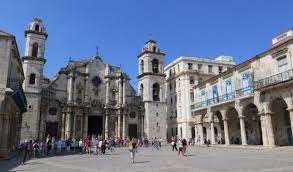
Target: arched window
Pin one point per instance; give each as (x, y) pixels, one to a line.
(141, 90)
(32, 79)
(141, 66)
(156, 92)
(154, 49)
(35, 50)
(37, 27)
(155, 65)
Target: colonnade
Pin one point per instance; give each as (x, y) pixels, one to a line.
(268, 127)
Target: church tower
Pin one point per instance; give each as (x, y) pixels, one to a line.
(33, 66)
(151, 79)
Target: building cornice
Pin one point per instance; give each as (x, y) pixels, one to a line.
(33, 59)
(150, 74)
(35, 32)
(150, 52)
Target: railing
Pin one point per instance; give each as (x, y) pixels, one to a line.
(223, 98)
(274, 79)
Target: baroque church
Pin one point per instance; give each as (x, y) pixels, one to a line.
(89, 97)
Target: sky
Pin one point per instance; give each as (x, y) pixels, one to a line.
(203, 28)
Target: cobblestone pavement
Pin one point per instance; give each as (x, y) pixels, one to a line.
(198, 159)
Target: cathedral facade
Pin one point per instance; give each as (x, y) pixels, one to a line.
(86, 97)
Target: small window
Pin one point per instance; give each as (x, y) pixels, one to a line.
(32, 79)
(282, 64)
(156, 92)
(35, 50)
(190, 66)
(199, 67)
(37, 28)
(141, 66)
(154, 49)
(155, 65)
(210, 68)
(220, 69)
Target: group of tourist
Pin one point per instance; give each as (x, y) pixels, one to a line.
(94, 145)
(29, 149)
(182, 145)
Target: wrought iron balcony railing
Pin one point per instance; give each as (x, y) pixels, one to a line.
(274, 79)
(223, 98)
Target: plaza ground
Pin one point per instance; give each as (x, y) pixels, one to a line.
(201, 159)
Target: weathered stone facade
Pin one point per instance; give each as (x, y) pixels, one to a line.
(12, 99)
(87, 97)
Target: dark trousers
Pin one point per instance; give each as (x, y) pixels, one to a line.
(174, 147)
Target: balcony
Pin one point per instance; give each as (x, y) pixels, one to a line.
(274, 79)
(243, 92)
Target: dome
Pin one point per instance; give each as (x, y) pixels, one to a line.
(151, 46)
(36, 26)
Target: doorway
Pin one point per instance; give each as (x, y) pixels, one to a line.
(95, 125)
(52, 129)
(132, 130)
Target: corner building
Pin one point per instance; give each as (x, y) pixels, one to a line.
(251, 103)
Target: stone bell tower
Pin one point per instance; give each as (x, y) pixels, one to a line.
(33, 66)
(151, 80)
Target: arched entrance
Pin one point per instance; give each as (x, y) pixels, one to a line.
(233, 126)
(219, 128)
(281, 122)
(252, 125)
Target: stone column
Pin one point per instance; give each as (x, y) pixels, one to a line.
(107, 91)
(119, 124)
(63, 126)
(200, 131)
(270, 130)
(264, 129)
(68, 132)
(291, 118)
(124, 92)
(123, 126)
(242, 130)
(120, 91)
(213, 141)
(70, 87)
(106, 124)
(226, 132)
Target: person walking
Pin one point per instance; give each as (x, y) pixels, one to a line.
(132, 147)
(180, 147)
(174, 144)
(25, 152)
